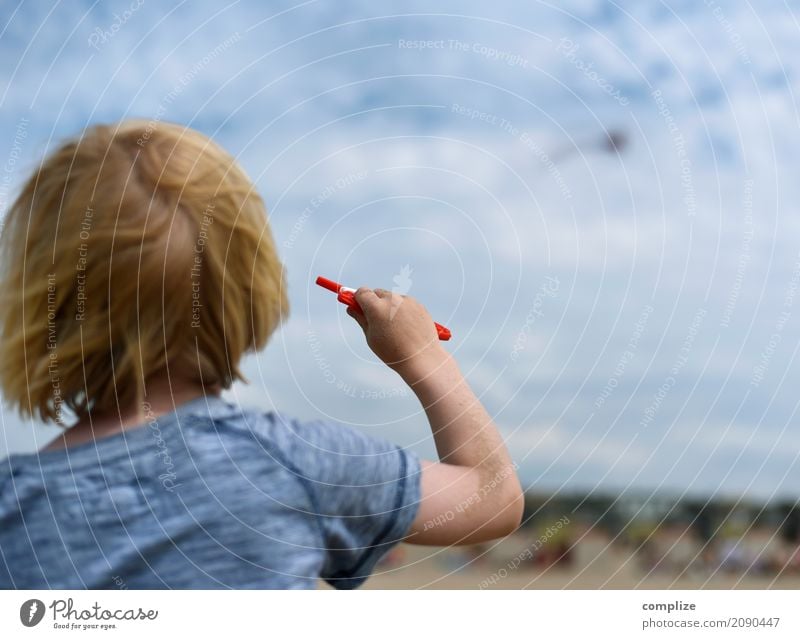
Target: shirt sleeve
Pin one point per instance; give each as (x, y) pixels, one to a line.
(365, 492)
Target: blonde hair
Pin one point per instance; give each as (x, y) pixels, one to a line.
(134, 250)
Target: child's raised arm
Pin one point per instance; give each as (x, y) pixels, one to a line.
(472, 494)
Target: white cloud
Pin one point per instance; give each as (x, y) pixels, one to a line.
(614, 229)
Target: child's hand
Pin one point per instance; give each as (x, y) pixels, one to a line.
(398, 330)
(471, 451)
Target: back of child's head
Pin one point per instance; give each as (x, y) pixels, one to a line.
(137, 250)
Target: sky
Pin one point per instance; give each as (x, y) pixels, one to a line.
(626, 310)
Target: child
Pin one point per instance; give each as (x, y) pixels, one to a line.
(138, 268)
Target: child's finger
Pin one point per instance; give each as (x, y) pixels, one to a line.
(358, 317)
(367, 300)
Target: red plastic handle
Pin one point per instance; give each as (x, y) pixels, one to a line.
(346, 297)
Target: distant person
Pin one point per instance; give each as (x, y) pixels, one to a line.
(138, 269)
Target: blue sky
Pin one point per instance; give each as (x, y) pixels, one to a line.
(629, 318)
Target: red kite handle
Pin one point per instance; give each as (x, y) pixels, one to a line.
(345, 296)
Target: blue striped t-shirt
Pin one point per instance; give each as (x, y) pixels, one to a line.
(208, 496)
